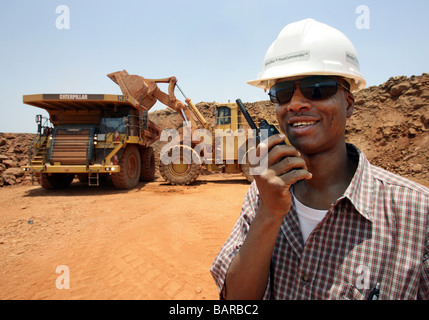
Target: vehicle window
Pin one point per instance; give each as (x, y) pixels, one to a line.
(112, 124)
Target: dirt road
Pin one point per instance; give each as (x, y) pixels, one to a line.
(153, 242)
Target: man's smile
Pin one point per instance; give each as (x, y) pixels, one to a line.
(300, 122)
(303, 124)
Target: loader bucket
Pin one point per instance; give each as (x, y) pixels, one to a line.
(136, 87)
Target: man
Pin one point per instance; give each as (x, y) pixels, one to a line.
(322, 222)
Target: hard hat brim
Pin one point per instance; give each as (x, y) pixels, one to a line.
(356, 80)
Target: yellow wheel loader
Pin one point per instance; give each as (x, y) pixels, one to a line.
(222, 146)
(92, 136)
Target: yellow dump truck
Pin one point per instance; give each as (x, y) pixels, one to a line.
(92, 136)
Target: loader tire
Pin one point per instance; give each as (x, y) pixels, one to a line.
(56, 180)
(186, 169)
(147, 172)
(130, 165)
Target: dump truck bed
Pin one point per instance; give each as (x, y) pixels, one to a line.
(88, 109)
(55, 102)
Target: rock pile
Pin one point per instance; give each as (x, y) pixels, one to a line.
(391, 125)
(13, 155)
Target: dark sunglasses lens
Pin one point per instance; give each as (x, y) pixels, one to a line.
(282, 92)
(317, 88)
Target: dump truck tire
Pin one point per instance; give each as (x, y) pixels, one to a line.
(186, 169)
(56, 180)
(130, 164)
(147, 172)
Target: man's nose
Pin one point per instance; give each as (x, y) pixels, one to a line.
(298, 102)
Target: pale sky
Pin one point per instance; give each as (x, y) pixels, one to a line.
(212, 47)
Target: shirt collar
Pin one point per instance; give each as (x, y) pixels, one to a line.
(361, 191)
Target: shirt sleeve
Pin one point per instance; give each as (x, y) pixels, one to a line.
(238, 234)
(423, 293)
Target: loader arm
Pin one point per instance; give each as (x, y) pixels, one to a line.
(146, 91)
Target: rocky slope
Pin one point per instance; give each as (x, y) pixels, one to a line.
(390, 124)
(13, 154)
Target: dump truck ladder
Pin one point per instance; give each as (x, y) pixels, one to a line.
(93, 179)
(39, 150)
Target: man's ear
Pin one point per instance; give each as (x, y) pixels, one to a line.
(350, 99)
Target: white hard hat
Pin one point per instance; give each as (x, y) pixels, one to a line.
(308, 47)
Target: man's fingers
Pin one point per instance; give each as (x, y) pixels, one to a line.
(265, 146)
(287, 164)
(294, 176)
(275, 139)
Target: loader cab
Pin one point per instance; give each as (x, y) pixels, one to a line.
(227, 116)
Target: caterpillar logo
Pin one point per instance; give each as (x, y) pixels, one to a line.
(74, 96)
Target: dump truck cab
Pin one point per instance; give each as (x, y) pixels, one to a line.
(93, 136)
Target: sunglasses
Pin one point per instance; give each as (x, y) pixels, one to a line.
(314, 88)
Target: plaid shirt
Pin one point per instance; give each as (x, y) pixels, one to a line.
(377, 232)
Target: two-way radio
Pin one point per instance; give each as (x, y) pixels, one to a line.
(263, 124)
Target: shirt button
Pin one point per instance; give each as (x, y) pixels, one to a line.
(305, 278)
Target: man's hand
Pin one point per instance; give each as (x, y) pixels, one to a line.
(248, 273)
(285, 167)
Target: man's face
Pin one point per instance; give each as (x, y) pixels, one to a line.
(314, 126)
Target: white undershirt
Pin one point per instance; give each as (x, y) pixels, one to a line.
(308, 217)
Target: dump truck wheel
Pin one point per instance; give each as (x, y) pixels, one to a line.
(130, 165)
(56, 180)
(147, 164)
(183, 166)
(245, 167)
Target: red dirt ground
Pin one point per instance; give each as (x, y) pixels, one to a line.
(153, 242)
